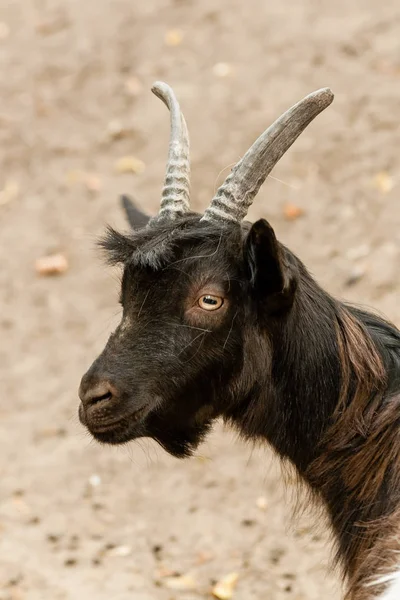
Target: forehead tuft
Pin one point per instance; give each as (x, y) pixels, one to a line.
(157, 246)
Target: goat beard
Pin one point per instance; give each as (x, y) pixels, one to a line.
(182, 443)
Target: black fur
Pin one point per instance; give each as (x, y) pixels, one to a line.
(282, 361)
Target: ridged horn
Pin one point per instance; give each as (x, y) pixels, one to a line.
(175, 193)
(233, 199)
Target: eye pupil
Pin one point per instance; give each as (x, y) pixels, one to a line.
(210, 302)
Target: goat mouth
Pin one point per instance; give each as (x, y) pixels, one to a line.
(119, 430)
(126, 420)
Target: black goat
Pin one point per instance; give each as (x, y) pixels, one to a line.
(221, 320)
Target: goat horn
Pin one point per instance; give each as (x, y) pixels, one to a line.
(233, 199)
(175, 194)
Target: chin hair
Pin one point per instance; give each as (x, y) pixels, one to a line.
(183, 444)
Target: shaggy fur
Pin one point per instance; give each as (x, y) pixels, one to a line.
(282, 361)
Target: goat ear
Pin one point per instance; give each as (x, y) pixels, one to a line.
(272, 277)
(136, 218)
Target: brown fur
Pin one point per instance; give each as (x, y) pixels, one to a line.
(361, 454)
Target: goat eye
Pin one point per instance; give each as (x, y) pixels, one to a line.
(209, 302)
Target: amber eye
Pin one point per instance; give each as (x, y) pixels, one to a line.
(209, 302)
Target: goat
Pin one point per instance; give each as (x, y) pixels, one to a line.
(222, 320)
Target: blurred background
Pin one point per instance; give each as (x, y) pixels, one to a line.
(79, 126)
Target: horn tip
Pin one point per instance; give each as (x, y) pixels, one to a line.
(160, 88)
(324, 96)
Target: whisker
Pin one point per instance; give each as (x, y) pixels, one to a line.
(290, 185)
(192, 327)
(230, 330)
(198, 350)
(145, 298)
(180, 271)
(191, 342)
(220, 173)
(229, 283)
(196, 257)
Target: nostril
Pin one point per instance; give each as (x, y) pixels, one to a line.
(97, 399)
(92, 394)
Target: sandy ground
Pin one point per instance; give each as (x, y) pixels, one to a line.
(82, 522)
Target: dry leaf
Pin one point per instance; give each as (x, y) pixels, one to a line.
(114, 127)
(164, 571)
(22, 506)
(95, 480)
(262, 503)
(223, 590)
(182, 582)
(117, 130)
(120, 551)
(204, 557)
(355, 275)
(75, 176)
(92, 183)
(54, 264)
(292, 212)
(203, 459)
(52, 25)
(173, 37)
(300, 532)
(129, 164)
(222, 69)
(357, 252)
(9, 192)
(383, 182)
(133, 86)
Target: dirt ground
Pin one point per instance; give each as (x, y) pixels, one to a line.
(82, 522)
